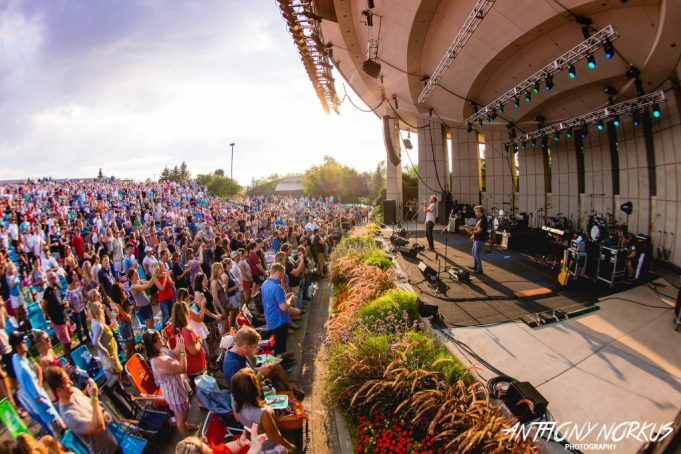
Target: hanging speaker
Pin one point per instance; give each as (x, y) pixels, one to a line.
(388, 142)
(627, 208)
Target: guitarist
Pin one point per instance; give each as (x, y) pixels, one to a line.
(479, 234)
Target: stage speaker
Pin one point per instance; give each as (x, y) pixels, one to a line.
(428, 310)
(519, 391)
(398, 240)
(407, 251)
(389, 211)
(428, 272)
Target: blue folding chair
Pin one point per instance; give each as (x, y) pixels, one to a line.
(71, 441)
(37, 318)
(82, 358)
(129, 444)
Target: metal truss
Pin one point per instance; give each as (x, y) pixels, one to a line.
(303, 24)
(579, 52)
(622, 109)
(472, 22)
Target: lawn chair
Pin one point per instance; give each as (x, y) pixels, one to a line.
(157, 322)
(37, 319)
(82, 358)
(142, 377)
(215, 433)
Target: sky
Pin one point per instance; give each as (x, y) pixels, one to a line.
(132, 86)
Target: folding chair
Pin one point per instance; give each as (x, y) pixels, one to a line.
(142, 377)
(82, 359)
(215, 433)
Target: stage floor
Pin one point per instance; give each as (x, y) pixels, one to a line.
(490, 298)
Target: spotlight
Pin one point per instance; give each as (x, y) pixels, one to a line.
(506, 150)
(397, 105)
(516, 102)
(656, 110)
(524, 145)
(585, 130)
(371, 68)
(533, 142)
(572, 71)
(608, 48)
(489, 117)
(543, 142)
(480, 122)
(556, 136)
(569, 133)
(469, 127)
(591, 61)
(549, 82)
(637, 117)
(616, 120)
(500, 109)
(536, 87)
(493, 115)
(600, 125)
(515, 149)
(528, 96)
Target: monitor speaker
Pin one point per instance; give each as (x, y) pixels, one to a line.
(428, 272)
(517, 398)
(407, 251)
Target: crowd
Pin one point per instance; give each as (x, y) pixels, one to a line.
(98, 258)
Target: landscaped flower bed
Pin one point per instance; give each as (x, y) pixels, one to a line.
(400, 393)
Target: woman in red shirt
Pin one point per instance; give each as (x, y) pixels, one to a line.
(196, 356)
(166, 291)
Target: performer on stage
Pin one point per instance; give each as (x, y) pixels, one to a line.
(479, 236)
(430, 221)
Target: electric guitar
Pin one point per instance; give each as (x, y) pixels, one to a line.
(564, 275)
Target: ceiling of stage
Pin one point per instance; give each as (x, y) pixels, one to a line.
(515, 39)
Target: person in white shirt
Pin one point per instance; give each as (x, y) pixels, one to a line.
(47, 262)
(430, 221)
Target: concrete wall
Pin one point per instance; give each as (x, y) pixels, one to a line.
(433, 161)
(499, 168)
(394, 172)
(466, 184)
(532, 186)
(667, 142)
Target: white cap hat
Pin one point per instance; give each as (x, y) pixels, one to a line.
(148, 249)
(226, 342)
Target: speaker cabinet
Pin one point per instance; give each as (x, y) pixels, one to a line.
(389, 211)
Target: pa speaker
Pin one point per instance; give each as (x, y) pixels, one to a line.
(407, 251)
(389, 211)
(398, 240)
(517, 396)
(428, 272)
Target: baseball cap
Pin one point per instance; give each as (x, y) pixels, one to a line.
(16, 338)
(234, 254)
(148, 249)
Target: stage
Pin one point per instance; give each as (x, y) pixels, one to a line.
(492, 297)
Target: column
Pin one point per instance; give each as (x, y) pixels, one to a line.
(433, 161)
(394, 172)
(466, 183)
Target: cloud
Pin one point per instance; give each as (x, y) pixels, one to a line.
(134, 86)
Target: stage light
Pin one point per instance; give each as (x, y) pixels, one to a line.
(591, 61)
(524, 145)
(528, 96)
(533, 142)
(556, 136)
(516, 102)
(585, 130)
(549, 82)
(469, 127)
(493, 115)
(536, 87)
(572, 71)
(506, 150)
(600, 125)
(608, 48)
(569, 133)
(489, 117)
(500, 109)
(616, 120)
(543, 142)
(637, 117)
(656, 110)
(480, 123)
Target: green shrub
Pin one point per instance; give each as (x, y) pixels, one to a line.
(360, 246)
(379, 259)
(395, 301)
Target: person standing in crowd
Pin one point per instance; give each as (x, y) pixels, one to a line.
(7, 375)
(55, 311)
(16, 299)
(103, 339)
(166, 291)
(430, 221)
(479, 233)
(138, 288)
(277, 304)
(75, 299)
(125, 312)
(258, 272)
(319, 246)
(83, 415)
(31, 394)
(169, 375)
(196, 356)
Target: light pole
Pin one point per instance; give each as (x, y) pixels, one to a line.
(231, 170)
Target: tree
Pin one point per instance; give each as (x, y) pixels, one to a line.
(165, 175)
(184, 173)
(219, 172)
(378, 178)
(219, 184)
(100, 174)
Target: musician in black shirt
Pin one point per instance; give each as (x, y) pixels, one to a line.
(479, 236)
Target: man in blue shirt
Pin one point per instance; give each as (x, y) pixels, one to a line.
(277, 304)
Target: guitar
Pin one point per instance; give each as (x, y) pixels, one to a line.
(564, 275)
